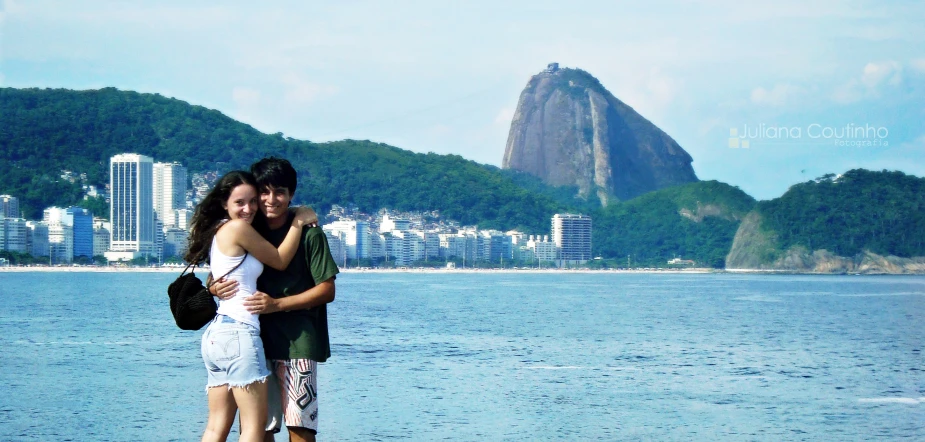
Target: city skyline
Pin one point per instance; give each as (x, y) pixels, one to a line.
(408, 238)
(149, 217)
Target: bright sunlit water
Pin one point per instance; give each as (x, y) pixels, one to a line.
(95, 356)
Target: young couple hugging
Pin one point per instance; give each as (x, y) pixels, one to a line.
(262, 349)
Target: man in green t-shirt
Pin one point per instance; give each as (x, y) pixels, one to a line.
(292, 304)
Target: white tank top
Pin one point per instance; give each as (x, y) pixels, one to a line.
(246, 274)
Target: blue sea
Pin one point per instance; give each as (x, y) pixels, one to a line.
(96, 356)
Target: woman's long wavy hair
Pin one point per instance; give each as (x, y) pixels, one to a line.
(210, 212)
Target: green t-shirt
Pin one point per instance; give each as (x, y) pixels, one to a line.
(298, 334)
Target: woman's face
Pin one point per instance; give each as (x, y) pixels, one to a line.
(242, 203)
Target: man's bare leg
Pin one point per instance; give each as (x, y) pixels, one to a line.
(299, 434)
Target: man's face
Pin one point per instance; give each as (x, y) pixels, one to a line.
(274, 202)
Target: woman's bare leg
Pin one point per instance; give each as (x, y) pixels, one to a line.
(252, 401)
(222, 409)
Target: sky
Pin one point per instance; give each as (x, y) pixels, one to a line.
(809, 87)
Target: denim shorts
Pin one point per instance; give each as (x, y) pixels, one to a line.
(233, 353)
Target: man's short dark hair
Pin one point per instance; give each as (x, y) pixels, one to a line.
(276, 173)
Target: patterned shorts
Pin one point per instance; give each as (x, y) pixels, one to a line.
(292, 394)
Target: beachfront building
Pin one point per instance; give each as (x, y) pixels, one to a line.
(131, 209)
(37, 238)
(518, 245)
(60, 243)
(101, 229)
(389, 224)
(168, 191)
(100, 241)
(468, 245)
(337, 246)
(540, 249)
(80, 221)
(355, 236)
(572, 235)
(159, 231)
(430, 243)
(395, 249)
(14, 234)
(60, 235)
(451, 245)
(376, 245)
(70, 233)
(494, 246)
(175, 242)
(413, 247)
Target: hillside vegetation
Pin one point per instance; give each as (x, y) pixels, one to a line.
(883, 212)
(47, 131)
(695, 221)
(862, 219)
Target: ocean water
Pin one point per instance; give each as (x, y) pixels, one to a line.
(95, 356)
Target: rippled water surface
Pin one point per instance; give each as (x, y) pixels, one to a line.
(95, 356)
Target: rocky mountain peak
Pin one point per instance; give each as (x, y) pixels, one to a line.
(569, 130)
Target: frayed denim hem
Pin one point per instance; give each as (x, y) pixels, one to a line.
(230, 385)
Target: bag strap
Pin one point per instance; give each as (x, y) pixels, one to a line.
(229, 272)
(197, 260)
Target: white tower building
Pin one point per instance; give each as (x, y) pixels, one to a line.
(131, 209)
(169, 191)
(572, 235)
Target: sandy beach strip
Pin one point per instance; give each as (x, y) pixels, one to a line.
(107, 269)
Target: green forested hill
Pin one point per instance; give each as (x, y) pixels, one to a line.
(696, 221)
(45, 131)
(881, 212)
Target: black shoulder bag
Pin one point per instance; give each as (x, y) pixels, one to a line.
(190, 302)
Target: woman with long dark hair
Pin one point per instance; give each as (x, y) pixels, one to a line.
(231, 346)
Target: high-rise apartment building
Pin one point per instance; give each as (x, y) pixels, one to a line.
(100, 236)
(572, 235)
(14, 234)
(100, 241)
(169, 191)
(37, 238)
(60, 235)
(541, 249)
(389, 224)
(336, 246)
(431, 242)
(80, 221)
(396, 247)
(356, 237)
(60, 243)
(131, 209)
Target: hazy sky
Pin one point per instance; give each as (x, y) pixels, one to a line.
(444, 76)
